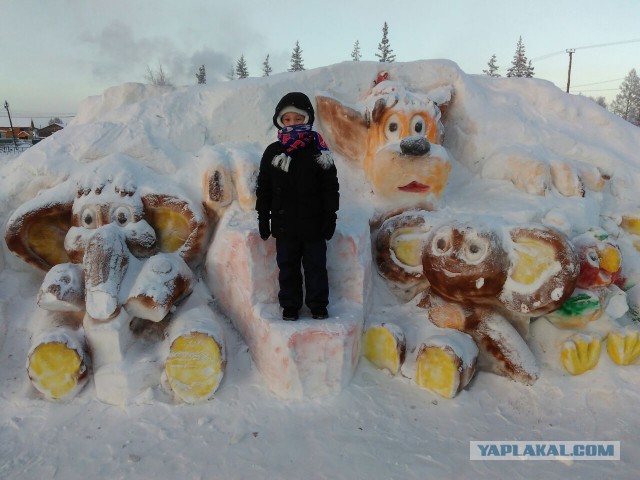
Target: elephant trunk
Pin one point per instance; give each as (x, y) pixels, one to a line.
(105, 263)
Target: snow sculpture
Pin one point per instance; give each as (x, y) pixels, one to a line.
(385, 345)
(600, 267)
(597, 296)
(307, 358)
(537, 176)
(119, 243)
(395, 137)
(484, 280)
(446, 363)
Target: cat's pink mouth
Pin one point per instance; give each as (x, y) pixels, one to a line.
(415, 187)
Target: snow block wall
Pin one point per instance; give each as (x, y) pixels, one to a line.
(307, 358)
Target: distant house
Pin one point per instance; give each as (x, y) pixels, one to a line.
(20, 132)
(49, 130)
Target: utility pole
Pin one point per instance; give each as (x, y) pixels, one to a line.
(570, 51)
(13, 134)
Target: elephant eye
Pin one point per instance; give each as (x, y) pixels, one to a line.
(441, 243)
(121, 216)
(475, 250)
(89, 217)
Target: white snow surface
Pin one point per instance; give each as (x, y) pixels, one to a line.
(380, 426)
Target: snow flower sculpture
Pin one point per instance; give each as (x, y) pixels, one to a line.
(119, 243)
(395, 137)
(481, 278)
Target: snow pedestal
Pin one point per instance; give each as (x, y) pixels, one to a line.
(302, 359)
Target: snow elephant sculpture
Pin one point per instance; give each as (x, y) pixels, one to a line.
(119, 243)
(481, 278)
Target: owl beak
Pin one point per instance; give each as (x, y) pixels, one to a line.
(610, 259)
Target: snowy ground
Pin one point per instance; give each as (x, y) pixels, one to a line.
(380, 426)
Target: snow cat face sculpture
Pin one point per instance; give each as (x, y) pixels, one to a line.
(118, 243)
(396, 141)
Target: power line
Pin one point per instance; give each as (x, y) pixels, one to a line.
(44, 114)
(598, 83)
(600, 90)
(609, 44)
(634, 40)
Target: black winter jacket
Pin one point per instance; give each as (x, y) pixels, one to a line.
(300, 194)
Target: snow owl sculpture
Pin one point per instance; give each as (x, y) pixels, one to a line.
(480, 277)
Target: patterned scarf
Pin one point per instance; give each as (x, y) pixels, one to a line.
(299, 136)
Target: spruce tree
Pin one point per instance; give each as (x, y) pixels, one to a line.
(266, 68)
(231, 74)
(529, 72)
(201, 76)
(241, 68)
(520, 65)
(386, 53)
(296, 59)
(627, 102)
(355, 54)
(493, 68)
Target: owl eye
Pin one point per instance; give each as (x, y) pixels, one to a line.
(475, 250)
(392, 128)
(441, 243)
(592, 257)
(121, 215)
(89, 217)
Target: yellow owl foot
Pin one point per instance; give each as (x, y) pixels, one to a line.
(195, 367)
(446, 363)
(56, 370)
(623, 346)
(385, 347)
(581, 353)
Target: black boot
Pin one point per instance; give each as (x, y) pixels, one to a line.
(290, 314)
(319, 313)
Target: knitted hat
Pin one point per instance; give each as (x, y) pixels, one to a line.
(296, 102)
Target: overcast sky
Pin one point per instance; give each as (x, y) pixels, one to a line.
(56, 53)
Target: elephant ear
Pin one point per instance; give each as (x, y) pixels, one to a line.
(543, 272)
(36, 230)
(398, 251)
(178, 225)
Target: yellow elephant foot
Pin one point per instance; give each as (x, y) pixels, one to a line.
(623, 346)
(581, 353)
(195, 367)
(56, 370)
(385, 346)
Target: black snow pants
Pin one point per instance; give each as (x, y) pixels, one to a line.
(312, 254)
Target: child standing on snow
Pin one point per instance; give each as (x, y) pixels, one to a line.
(298, 192)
